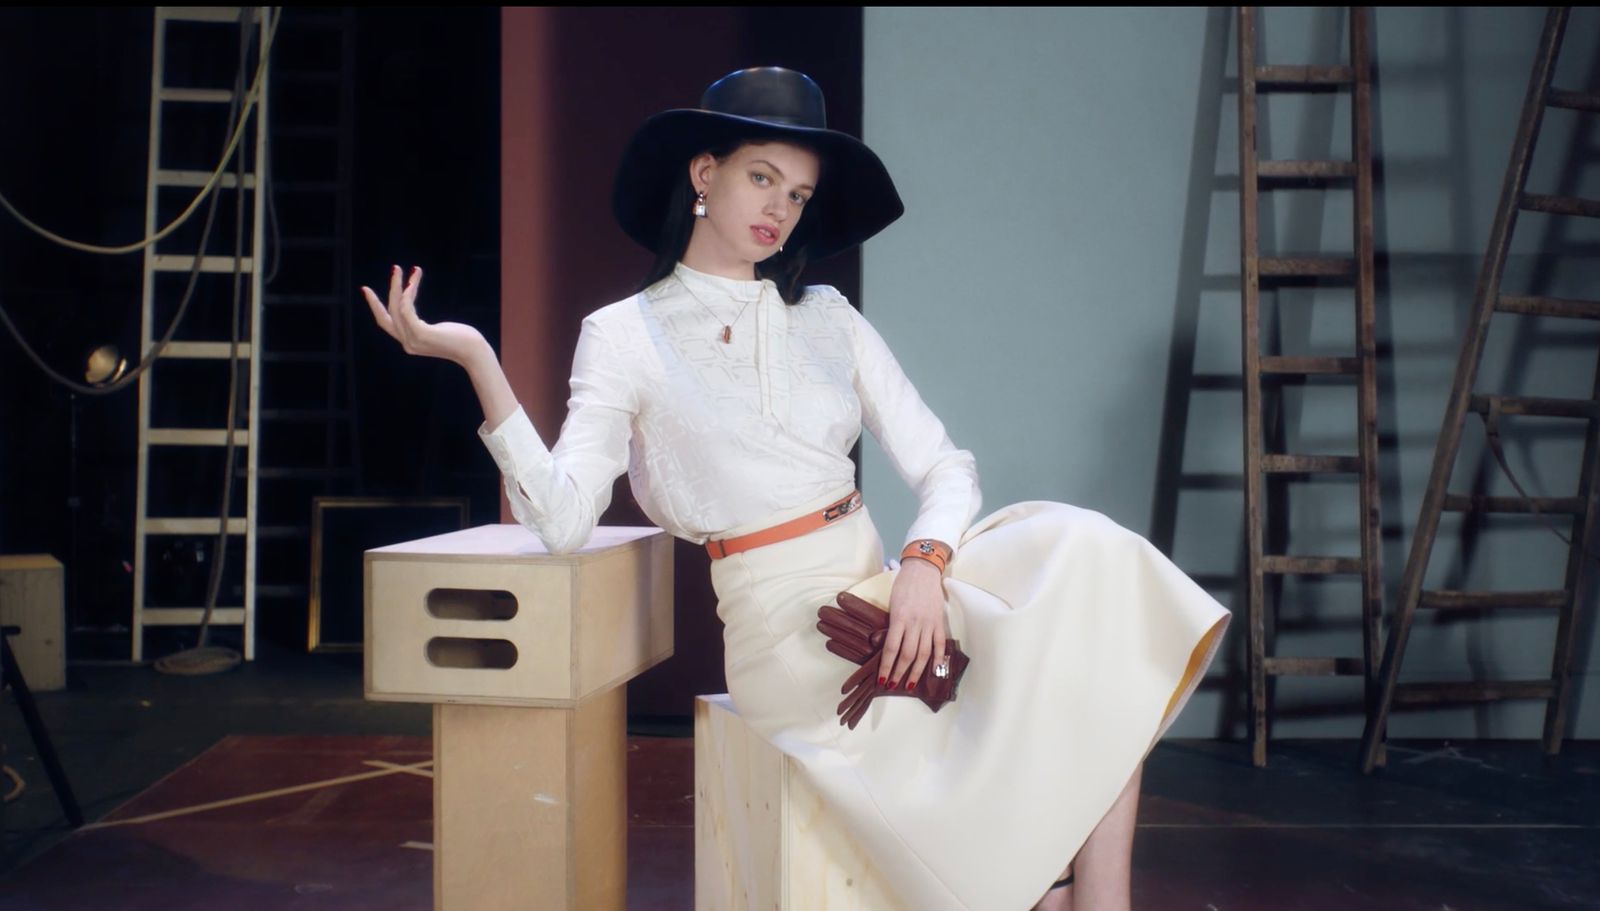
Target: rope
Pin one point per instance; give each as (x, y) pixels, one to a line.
(17, 785)
(1491, 426)
(250, 100)
(159, 348)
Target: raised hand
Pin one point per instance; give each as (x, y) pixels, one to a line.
(456, 342)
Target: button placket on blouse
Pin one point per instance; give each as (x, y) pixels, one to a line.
(772, 322)
(763, 374)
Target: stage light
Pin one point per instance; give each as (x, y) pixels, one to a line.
(105, 366)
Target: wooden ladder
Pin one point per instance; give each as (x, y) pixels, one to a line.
(180, 112)
(1255, 176)
(1580, 509)
(310, 446)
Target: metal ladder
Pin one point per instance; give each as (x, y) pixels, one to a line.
(179, 114)
(1262, 468)
(1580, 509)
(308, 416)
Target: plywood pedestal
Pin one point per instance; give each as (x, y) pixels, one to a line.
(762, 836)
(526, 656)
(530, 806)
(31, 596)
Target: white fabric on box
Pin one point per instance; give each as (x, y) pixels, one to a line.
(1085, 644)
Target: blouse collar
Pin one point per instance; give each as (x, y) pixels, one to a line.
(704, 282)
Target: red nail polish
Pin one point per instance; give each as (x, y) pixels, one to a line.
(882, 680)
(911, 686)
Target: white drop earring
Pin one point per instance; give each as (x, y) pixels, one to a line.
(700, 205)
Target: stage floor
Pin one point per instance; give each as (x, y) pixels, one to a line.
(279, 787)
(345, 822)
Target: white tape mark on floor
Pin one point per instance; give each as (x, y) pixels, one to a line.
(418, 770)
(264, 795)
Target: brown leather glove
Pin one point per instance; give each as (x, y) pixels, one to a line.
(856, 634)
(862, 686)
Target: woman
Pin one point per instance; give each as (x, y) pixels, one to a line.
(732, 397)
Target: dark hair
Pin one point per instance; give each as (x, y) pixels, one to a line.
(782, 268)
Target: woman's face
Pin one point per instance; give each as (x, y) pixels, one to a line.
(754, 198)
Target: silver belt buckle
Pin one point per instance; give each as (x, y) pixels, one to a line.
(840, 510)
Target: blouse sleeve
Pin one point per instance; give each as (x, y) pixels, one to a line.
(944, 478)
(560, 494)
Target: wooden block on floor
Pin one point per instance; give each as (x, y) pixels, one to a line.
(530, 806)
(487, 616)
(32, 596)
(526, 655)
(762, 836)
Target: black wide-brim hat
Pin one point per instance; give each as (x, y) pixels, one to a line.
(855, 197)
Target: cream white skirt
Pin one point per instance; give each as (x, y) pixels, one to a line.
(1085, 644)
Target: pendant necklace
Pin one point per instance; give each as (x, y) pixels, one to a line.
(727, 328)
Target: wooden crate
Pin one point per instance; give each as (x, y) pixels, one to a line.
(32, 588)
(572, 625)
(531, 806)
(762, 836)
(525, 655)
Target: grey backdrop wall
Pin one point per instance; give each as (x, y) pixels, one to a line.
(1064, 292)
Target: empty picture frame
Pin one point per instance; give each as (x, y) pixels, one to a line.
(343, 529)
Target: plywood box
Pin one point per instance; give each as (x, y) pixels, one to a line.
(32, 588)
(763, 838)
(531, 806)
(526, 655)
(488, 616)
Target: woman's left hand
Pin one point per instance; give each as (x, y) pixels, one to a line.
(916, 624)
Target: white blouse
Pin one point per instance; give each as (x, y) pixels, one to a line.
(715, 436)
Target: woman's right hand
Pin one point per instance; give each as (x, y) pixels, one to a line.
(456, 342)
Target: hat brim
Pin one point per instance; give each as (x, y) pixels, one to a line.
(854, 200)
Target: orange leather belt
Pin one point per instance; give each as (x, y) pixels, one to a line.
(793, 528)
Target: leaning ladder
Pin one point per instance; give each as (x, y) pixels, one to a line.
(157, 444)
(1580, 509)
(308, 414)
(1262, 467)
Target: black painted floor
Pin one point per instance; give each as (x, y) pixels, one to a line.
(1472, 825)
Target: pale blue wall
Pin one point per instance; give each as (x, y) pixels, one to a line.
(1068, 262)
